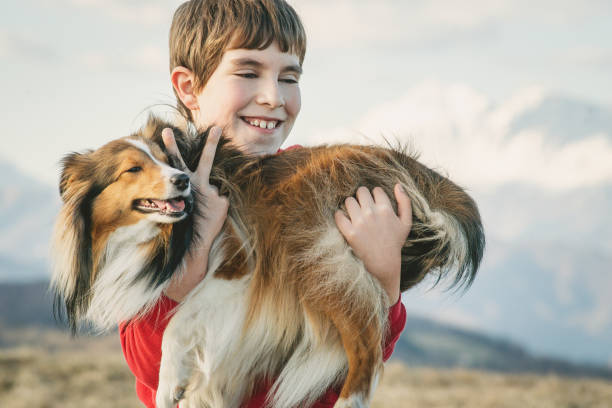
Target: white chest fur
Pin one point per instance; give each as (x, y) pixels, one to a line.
(118, 293)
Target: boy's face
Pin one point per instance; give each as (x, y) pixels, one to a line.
(254, 96)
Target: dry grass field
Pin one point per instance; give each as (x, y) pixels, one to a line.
(50, 370)
(433, 388)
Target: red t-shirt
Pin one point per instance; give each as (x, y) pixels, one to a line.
(141, 343)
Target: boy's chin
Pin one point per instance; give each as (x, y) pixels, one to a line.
(261, 149)
(261, 145)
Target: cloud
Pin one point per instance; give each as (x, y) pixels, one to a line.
(479, 144)
(147, 58)
(588, 56)
(144, 12)
(364, 23)
(360, 23)
(24, 47)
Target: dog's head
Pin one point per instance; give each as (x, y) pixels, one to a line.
(124, 182)
(127, 186)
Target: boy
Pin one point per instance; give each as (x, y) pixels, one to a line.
(237, 64)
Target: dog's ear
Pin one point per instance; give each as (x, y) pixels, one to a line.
(153, 128)
(77, 168)
(152, 131)
(71, 279)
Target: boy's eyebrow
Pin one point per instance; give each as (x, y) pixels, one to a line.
(249, 62)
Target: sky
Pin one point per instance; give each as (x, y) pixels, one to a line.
(80, 72)
(512, 99)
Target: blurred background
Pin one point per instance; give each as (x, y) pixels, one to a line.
(512, 99)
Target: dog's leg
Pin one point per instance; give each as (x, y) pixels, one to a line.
(341, 291)
(176, 369)
(364, 354)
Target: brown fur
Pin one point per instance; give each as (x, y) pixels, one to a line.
(281, 233)
(283, 203)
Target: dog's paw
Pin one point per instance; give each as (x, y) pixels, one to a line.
(179, 392)
(168, 397)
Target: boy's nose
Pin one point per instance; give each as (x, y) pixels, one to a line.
(270, 94)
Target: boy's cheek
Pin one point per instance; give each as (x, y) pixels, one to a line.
(297, 104)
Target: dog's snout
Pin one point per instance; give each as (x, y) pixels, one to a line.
(181, 181)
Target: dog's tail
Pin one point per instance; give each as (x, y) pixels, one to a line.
(447, 235)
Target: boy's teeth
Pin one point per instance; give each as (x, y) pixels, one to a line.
(263, 124)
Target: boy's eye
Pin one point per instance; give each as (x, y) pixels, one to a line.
(247, 75)
(289, 80)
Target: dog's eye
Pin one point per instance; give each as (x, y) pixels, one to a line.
(135, 169)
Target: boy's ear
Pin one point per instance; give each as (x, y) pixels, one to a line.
(183, 80)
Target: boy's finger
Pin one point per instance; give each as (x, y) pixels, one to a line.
(364, 197)
(380, 197)
(170, 143)
(404, 207)
(352, 208)
(343, 223)
(208, 153)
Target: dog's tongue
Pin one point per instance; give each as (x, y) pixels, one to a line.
(170, 205)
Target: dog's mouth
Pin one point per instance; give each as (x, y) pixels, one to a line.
(174, 207)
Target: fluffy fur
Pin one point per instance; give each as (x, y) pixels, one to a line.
(284, 297)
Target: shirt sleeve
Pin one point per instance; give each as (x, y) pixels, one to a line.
(141, 341)
(397, 322)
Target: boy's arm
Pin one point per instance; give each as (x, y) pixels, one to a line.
(208, 227)
(376, 234)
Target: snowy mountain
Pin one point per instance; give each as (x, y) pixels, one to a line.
(564, 119)
(27, 211)
(28, 306)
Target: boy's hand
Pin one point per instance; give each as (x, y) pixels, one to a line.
(207, 227)
(376, 234)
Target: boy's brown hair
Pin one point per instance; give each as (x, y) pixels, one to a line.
(202, 30)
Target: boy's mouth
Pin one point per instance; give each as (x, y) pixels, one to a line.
(262, 123)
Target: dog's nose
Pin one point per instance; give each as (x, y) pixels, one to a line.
(181, 181)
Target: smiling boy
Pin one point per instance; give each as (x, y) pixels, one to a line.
(254, 94)
(236, 64)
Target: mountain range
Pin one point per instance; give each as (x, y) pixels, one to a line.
(423, 342)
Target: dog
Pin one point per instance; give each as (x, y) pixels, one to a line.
(284, 296)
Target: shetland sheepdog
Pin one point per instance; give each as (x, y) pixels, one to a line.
(284, 296)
